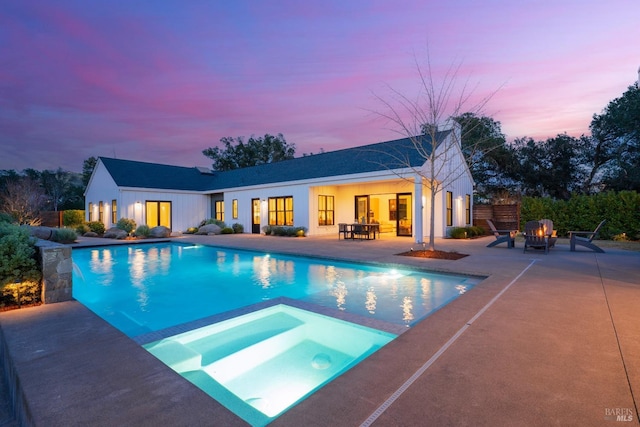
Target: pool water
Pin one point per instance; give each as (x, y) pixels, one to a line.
(150, 287)
(215, 316)
(260, 364)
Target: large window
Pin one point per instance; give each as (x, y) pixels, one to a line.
(219, 206)
(100, 211)
(325, 210)
(90, 211)
(114, 212)
(158, 213)
(234, 208)
(467, 204)
(281, 210)
(449, 208)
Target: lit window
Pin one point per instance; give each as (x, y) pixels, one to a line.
(467, 203)
(234, 209)
(449, 208)
(100, 211)
(281, 210)
(90, 211)
(219, 206)
(114, 212)
(325, 210)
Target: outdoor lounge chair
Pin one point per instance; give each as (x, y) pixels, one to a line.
(502, 236)
(585, 238)
(547, 226)
(535, 237)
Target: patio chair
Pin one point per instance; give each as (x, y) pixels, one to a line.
(535, 237)
(343, 231)
(585, 238)
(547, 226)
(502, 236)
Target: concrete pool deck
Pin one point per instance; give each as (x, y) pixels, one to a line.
(544, 340)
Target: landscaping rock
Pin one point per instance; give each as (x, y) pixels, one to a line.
(209, 229)
(44, 233)
(159, 231)
(90, 234)
(115, 233)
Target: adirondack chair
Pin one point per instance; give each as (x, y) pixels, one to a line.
(535, 237)
(502, 236)
(585, 238)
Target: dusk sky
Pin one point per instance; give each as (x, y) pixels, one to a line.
(161, 81)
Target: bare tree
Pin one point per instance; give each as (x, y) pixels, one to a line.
(428, 119)
(23, 199)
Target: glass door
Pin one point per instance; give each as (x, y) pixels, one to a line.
(362, 209)
(255, 216)
(405, 224)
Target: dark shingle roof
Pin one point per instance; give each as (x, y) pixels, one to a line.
(400, 153)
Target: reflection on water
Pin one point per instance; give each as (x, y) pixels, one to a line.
(407, 310)
(370, 302)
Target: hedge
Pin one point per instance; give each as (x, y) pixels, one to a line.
(584, 213)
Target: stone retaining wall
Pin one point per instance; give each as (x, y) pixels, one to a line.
(57, 270)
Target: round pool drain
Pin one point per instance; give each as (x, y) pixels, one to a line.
(321, 361)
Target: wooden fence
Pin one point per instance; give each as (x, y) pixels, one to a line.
(505, 217)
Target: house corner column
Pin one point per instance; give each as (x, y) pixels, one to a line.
(418, 210)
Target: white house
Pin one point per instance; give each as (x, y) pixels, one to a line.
(383, 182)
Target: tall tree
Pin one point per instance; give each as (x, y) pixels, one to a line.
(617, 141)
(549, 168)
(87, 169)
(420, 116)
(237, 154)
(485, 149)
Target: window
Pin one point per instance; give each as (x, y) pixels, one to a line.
(158, 213)
(467, 203)
(114, 212)
(281, 210)
(234, 209)
(449, 208)
(90, 211)
(100, 211)
(325, 210)
(219, 210)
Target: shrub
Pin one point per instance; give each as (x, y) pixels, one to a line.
(96, 226)
(64, 235)
(226, 230)
(267, 230)
(6, 218)
(17, 294)
(143, 231)
(238, 228)
(286, 230)
(17, 256)
(126, 224)
(82, 228)
(458, 233)
(191, 230)
(72, 218)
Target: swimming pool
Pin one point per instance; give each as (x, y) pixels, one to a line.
(149, 287)
(258, 332)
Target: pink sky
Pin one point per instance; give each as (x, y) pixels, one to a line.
(162, 81)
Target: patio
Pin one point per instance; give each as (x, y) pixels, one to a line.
(544, 340)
